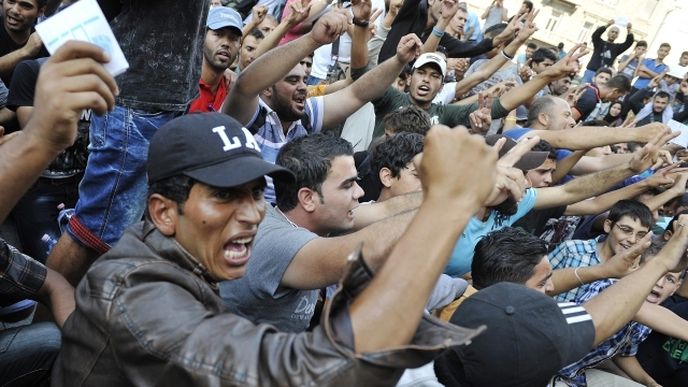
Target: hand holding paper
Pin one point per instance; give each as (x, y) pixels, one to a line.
(83, 21)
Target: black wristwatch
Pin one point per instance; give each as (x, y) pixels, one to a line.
(361, 23)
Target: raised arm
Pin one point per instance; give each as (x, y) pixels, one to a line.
(631, 366)
(298, 11)
(619, 303)
(567, 65)
(449, 9)
(72, 80)
(494, 64)
(590, 185)
(605, 201)
(617, 266)
(371, 85)
(588, 137)
(242, 101)
(447, 206)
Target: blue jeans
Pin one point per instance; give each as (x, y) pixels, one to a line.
(27, 354)
(112, 193)
(588, 76)
(313, 81)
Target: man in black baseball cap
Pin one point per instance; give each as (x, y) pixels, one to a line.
(148, 311)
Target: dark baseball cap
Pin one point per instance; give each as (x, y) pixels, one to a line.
(530, 160)
(529, 338)
(212, 148)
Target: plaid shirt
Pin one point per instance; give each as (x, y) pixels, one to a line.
(20, 276)
(271, 136)
(624, 342)
(575, 253)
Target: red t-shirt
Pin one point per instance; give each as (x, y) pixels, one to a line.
(208, 101)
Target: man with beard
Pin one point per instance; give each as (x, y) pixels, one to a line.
(505, 209)
(18, 41)
(220, 49)
(270, 97)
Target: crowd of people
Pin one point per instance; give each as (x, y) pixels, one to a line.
(364, 192)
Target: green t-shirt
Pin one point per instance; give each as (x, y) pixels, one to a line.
(450, 115)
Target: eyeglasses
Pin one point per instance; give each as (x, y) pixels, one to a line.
(628, 231)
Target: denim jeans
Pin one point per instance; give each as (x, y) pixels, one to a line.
(27, 354)
(112, 193)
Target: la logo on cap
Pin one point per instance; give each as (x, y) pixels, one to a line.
(235, 142)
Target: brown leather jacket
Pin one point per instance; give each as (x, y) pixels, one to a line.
(148, 315)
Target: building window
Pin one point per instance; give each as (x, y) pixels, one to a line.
(553, 21)
(584, 32)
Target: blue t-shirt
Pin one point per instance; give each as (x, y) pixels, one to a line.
(650, 63)
(462, 256)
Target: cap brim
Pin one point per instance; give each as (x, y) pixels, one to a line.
(219, 26)
(531, 160)
(235, 172)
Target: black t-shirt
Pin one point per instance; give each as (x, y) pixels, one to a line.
(71, 161)
(366, 179)
(535, 221)
(587, 102)
(663, 357)
(8, 45)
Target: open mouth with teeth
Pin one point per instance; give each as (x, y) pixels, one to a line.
(238, 251)
(300, 101)
(423, 90)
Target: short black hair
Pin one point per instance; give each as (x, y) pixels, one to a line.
(395, 153)
(619, 82)
(256, 33)
(532, 45)
(175, 188)
(309, 158)
(633, 209)
(409, 118)
(544, 146)
(494, 30)
(529, 5)
(541, 54)
(662, 94)
(605, 70)
(641, 43)
(508, 254)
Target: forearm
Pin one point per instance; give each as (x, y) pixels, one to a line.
(433, 40)
(590, 185)
(375, 43)
(662, 320)
(657, 201)
(519, 95)
(375, 82)
(9, 61)
(382, 296)
(565, 279)
(564, 166)
(618, 304)
(368, 214)
(604, 202)
(272, 40)
(249, 27)
(359, 47)
(57, 294)
(632, 368)
(588, 137)
(21, 161)
(590, 164)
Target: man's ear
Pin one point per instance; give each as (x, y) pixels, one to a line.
(164, 213)
(267, 92)
(385, 176)
(307, 199)
(607, 226)
(543, 118)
